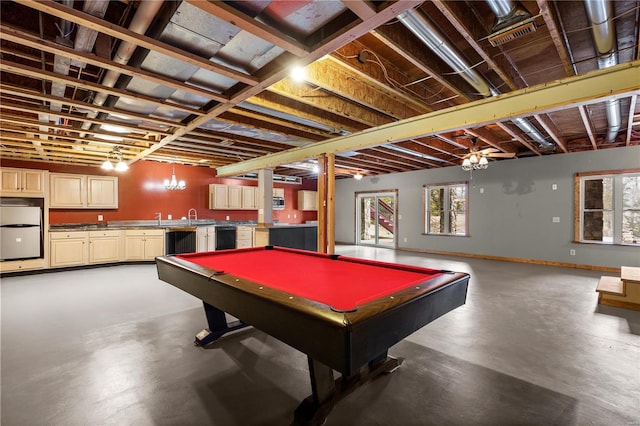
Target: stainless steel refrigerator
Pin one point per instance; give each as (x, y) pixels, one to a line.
(20, 232)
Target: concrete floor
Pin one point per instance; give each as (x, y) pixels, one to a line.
(113, 346)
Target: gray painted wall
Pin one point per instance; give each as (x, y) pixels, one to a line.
(511, 218)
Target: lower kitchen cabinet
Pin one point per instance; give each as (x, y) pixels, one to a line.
(105, 246)
(68, 249)
(206, 238)
(244, 236)
(145, 244)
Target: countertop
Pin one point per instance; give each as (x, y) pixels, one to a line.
(169, 225)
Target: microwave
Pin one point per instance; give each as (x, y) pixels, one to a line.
(278, 203)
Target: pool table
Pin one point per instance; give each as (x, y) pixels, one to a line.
(342, 312)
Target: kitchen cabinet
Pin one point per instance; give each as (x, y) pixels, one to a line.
(249, 198)
(218, 196)
(232, 197)
(143, 244)
(22, 182)
(23, 265)
(102, 192)
(278, 192)
(206, 238)
(68, 248)
(105, 246)
(83, 191)
(244, 236)
(307, 200)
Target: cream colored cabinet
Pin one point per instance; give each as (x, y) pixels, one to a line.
(68, 248)
(249, 198)
(235, 197)
(102, 192)
(278, 192)
(205, 238)
(218, 196)
(22, 182)
(83, 191)
(261, 237)
(105, 246)
(143, 244)
(307, 200)
(244, 236)
(232, 197)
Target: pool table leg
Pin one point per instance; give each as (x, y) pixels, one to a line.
(327, 392)
(218, 326)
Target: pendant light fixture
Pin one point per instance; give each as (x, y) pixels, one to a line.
(173, 184)
(120, 166)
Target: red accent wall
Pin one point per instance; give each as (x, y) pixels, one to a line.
(141, 194)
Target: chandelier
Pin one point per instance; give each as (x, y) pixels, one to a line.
(173, 183)
(475, 161)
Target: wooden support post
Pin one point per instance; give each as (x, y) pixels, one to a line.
(322, 204)
(331, 211)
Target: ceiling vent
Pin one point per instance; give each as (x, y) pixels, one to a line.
(512, 32)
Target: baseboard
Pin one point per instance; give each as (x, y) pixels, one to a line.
(508, 259)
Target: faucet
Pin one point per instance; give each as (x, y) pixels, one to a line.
(159, 217)
(195, 215)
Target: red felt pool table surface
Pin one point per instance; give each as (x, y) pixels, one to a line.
(340, 282)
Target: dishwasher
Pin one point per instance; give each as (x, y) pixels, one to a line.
(225, 237)
(180, 240)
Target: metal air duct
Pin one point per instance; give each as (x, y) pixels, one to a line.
(600, 15)
(427, 33)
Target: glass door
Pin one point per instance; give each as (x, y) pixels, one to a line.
(376, 219)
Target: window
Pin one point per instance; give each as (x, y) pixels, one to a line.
(446, 209)
(609, 207)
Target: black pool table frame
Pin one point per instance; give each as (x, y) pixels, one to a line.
(352, 343)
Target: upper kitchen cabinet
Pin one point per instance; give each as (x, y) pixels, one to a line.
(232, 197)
(22, 182)
(307, 200)
(82, 191)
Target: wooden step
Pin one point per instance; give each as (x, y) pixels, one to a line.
(611, 285)
(630, 274)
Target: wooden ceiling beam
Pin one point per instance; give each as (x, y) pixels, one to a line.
(66, 133)
(27, 71)
(402, 159)
(587, 125)
(460, 16)
(73, 117)
(265, 32)
(270, 124)
(414, 145)
(556, 36)
(362, 8)
(487, 137)
(592, 87)
(415, 53)
(551, 129)
(517, 136)
(336, 40)
(4, 88)
(58, 10)
(286, 105)
(27, 39)
(437, 145)
(631, 118)
(318, 98)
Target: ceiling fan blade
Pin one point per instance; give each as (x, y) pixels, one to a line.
(488, 151)
(502, 155)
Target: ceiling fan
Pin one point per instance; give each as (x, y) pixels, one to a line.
(478, 159)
